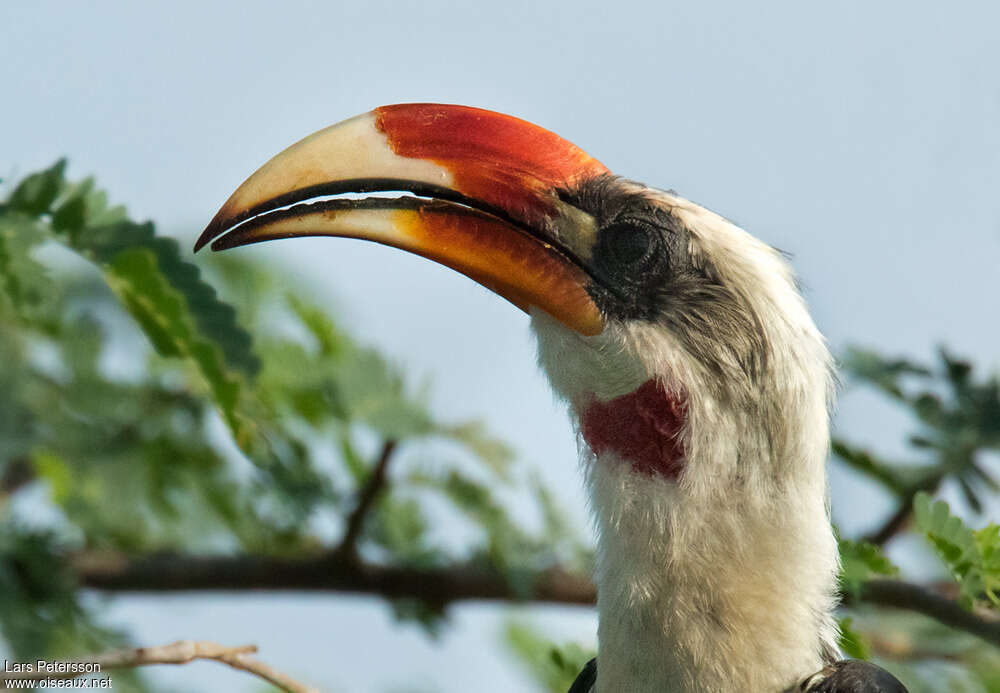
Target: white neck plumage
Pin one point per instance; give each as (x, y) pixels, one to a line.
(721, 578)
(710, 590)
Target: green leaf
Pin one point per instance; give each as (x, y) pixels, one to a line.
(861, 561)
(958, 416)
(864, 462)
(431, 617)
(972, 556)
(400, 527)
(177, 310)
(853, 642)
(553, 666)
(36, 193)
(871, 367)
(56, 472)
(40, 615)
(214, 319)
(492, 451)
(358, 468)
(72, 213)
(84, 220)
(373, 393)
(330, 340)
(161, 309)
(24, 282)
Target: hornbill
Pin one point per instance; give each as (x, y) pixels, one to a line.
(697, 382)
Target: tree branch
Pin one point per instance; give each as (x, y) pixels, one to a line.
(910, 597)
(180, 652)
(366, 500)
(438, 587)
(326, 573)
(892, 526)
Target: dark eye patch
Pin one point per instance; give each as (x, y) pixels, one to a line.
(625, 244)
(631, 252)
(631, 257)
(640, 250)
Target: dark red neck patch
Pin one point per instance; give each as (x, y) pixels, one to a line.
(643, 427)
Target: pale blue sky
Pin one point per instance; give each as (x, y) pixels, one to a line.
(863, 138)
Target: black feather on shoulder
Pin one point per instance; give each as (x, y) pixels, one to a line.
(855, 676)
(585, 681)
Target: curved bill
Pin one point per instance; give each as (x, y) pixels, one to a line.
(483, 199)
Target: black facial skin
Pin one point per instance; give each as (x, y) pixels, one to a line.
(631, 256)
(643, 268)
(640, 249)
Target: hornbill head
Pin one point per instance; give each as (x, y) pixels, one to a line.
(696, 377)
(627, 286)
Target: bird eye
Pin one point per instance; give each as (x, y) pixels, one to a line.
(627, 245)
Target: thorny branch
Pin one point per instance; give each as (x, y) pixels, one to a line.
(180, 652)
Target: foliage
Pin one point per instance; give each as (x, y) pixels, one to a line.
(134, 397)
(926, 655)
(554, 667)
(957, 417)
(958, 424)
(852, 642)
(972, 556)
(861, 561)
